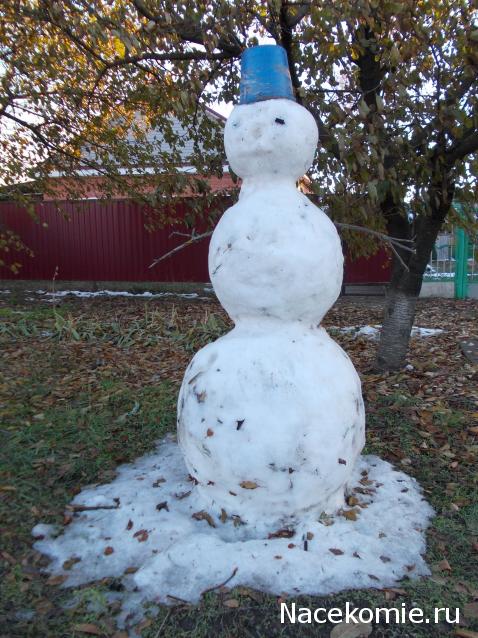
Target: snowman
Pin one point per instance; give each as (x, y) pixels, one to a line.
(270, 416)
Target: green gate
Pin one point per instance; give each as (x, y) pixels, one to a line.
(454, 258)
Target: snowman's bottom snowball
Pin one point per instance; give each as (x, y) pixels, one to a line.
(151, 528)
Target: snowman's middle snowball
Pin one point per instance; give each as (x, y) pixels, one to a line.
(271, 422)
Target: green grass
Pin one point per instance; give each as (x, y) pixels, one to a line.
(59, 435)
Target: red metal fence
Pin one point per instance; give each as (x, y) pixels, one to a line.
(107, 241)
(99, 241)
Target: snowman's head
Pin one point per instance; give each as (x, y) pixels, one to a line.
(273, 137)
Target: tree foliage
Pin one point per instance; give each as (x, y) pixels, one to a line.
(393, 86)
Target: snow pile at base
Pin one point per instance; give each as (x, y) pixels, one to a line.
(148, 528)
(373, 332)
(85, 294)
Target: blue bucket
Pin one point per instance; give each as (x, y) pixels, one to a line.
(265, 74)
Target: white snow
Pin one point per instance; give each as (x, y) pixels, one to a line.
(178, 556)
(274, 254)
(271, 421)
(373, 332)
(86, 294)
(270, 417)
(4, 292)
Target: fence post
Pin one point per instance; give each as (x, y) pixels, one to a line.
(461, 264)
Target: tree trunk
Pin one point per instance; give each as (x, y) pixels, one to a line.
(400, 304)
(405, 285)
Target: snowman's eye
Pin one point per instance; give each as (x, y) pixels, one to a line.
(279, 120)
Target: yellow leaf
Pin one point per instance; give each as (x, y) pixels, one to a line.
(119, 47)
(249, 485)
(350, 515)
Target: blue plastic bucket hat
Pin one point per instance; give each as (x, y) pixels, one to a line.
(265, 74)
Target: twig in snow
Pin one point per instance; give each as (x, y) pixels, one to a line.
(180, 600)
(206, 591)
(89, 508)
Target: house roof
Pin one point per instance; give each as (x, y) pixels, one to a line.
(156, 137)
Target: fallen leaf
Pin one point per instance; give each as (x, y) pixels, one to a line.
(162, 506)
(249, 485)
(223, 517)
(43, 606)
(334, 550)
(350, 515)
(9, 558)
(351, 630)
(108, 550)
(209, 432)
(282, 533)
(57, 580)
(88, 628)
(141, 535)
(68, 564)
(232, 603)
(204, 516)
(181, 495)
(442, 566)
(471, 610)
(237, 520)
(129, 525)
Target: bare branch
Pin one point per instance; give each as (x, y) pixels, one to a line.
(393, 242)
(192, 240)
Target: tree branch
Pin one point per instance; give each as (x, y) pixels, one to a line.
(467, 145)
(393, 242)
(190, 31)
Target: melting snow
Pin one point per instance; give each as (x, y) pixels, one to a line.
(373, 332)
(52, 296)
(143, 521)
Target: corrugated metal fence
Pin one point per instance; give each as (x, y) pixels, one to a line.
(99, 241)
(93, 240)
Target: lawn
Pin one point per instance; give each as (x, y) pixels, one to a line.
(91, 383)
